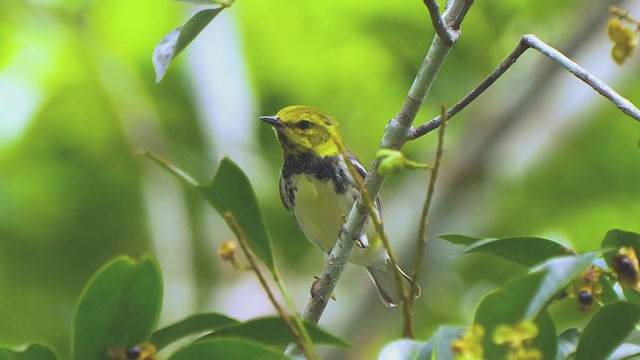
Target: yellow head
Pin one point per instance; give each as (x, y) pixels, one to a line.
(303, 128)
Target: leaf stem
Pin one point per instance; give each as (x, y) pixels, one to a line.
(296, 327)
(421, 241)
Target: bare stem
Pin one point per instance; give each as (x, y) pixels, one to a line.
(531, 41)
(421, 243)
(303, 342)
(623, 14)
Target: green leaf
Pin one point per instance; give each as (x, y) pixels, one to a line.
(626, 352)
(559, 273)
(227, 349)
(192, 325)
(459, 239)
(607, 330)
(527, 251)
(547, 339)
(32, 352)
(231, 191)
(567, 343)
(119, 307)
(526, 297)
(443, 338)
(609, 294)
(273, 330)
(505, 306)
(178, 39)
(403, 349)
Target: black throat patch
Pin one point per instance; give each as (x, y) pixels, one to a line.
(323, 168)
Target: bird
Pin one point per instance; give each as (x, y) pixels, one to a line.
(317, 188)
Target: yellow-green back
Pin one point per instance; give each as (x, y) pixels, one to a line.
(307, 129)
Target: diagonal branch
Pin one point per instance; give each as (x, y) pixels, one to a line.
(448, 36)
(531, 41)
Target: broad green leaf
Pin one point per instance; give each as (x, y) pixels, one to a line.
(527, 296)
(619, 238)
(547, 339)
(459, 239)
(192, 325)
(506, 306)
(626, 352)
(631, 295)
(119, 307)
(567, 343)
(32, 352)
(527, 251)
(178, 39)
(230, 191)
(427, 351)
(227, 349)
(607, 330)
(609, 294)
(403, 349)
(559, 273)
(442, 341)
(273, 330)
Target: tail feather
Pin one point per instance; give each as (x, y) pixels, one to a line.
(384, 278)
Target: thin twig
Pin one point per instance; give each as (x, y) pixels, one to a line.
(438, 22)
(531, 41)
(623, 14)
(377, 221)
(421, 243)
(397, 133)
(305, 344)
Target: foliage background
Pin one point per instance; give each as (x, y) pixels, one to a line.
(539, 154)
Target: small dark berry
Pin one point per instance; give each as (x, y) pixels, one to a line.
(622, 264)
(133, 353)
(585, 297)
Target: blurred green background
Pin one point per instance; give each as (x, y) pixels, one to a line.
(539, 154)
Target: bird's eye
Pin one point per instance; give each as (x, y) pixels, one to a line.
(304, 124)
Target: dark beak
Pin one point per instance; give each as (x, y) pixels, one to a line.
(272, 120)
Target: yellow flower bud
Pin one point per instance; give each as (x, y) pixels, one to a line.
(620, 52)
(469, 346)
(515, 336)
(621, 34)
(227, 250)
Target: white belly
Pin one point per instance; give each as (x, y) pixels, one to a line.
(320, 213)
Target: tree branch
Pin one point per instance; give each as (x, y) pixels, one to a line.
(531, 41)
(397, 133)
(448, 36)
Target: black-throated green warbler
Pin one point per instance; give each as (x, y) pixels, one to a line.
(318, 189)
